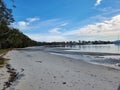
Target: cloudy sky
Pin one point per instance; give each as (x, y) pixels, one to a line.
(65, 20)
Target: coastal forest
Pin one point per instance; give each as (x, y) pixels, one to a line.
(11, 37)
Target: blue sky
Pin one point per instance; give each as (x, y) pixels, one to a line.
(65, 20)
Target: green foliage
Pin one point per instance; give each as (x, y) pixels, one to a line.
(3, 51)
(11, 37)
(6, 16)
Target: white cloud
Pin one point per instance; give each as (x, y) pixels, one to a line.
(22, 23)
(55, 31)
(64, 24)
(106, 29)
(25, 25)
(109, 28)
(37, 24)
(98, 2)
(32, 19)
(47, 38)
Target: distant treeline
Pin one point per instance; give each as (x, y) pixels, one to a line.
(74, 43)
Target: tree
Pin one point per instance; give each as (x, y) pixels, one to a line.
(11, 37)
(6, 16)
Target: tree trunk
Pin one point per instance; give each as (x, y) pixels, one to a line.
(0, 45)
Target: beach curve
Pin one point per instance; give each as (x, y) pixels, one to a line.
(45, 71)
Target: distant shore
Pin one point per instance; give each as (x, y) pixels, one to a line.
(46, 71)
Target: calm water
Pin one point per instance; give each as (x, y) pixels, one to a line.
(104, 48)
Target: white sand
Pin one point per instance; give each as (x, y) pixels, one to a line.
(44, 71)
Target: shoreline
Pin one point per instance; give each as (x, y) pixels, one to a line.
(44, 71)
(111, 60)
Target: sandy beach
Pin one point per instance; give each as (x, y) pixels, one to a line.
(45, 71)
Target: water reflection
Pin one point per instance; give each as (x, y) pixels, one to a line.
(118, 47)
(105, 48)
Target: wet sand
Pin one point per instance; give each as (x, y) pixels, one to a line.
(45, 71)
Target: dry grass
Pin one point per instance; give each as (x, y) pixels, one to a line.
(3, 60)
(4, 51)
